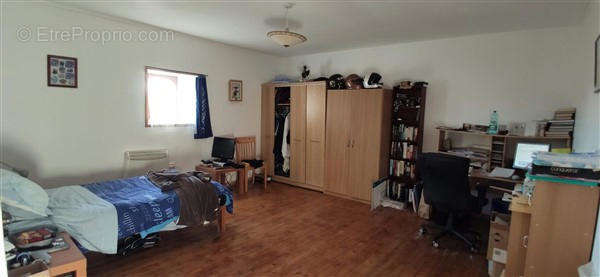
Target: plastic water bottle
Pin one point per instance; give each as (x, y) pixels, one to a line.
(493, 128)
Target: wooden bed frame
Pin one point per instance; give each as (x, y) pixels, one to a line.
(221, 219)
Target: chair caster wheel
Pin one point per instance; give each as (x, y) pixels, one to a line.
(422, 231)
(436, 244)
(473, 249)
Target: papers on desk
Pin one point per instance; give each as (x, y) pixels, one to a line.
(506, 197)
(501, 172)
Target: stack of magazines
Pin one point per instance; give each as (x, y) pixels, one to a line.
(577, 166)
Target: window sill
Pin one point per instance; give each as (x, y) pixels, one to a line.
(170, 125)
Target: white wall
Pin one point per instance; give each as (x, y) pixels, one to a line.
(69, 136)
(524, 75)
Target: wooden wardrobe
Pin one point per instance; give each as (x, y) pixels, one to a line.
(307, 103)
(357, 141)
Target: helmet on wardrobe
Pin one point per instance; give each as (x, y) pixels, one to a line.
(372, 81)
(354, 81)
(336, 81)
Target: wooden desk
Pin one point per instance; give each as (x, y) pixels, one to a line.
(480, 177)
(503, 147)
(69, 260)
(218, 174)
(553, 236)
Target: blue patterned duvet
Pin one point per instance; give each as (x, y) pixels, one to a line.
(98, 214)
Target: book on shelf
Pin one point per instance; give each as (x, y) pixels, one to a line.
(562, 121)
(397, 191)
(400, 168)
(403, 150)
(403, 132)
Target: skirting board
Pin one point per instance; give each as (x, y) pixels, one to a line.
(346, 197)
(297, 184)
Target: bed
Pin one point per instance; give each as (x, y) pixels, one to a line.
(98, 215)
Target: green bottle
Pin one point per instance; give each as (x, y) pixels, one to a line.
(493, 128)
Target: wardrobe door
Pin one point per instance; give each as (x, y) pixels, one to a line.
(315, 134)
(337, 141)
(298, 133)
(365, 145)
(267, 123)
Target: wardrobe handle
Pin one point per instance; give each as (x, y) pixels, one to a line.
(352, 143)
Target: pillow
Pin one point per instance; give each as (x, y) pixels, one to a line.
(20, 197)
(22, 172)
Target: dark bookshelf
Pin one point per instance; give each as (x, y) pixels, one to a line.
(408, 114)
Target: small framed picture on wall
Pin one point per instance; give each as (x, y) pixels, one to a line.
(62, 71)
(235, 90)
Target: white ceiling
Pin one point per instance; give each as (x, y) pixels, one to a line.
(336, 25)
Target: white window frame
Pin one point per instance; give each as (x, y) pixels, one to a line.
(147, 110)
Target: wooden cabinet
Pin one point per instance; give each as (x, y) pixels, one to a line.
(307, 103)
(554, 235)
(267, 123)
(357, 141)
(337, 142)
(298, 133)
(315, 133)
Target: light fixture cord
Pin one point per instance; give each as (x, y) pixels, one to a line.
(287, 8)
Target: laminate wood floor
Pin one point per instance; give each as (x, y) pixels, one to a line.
(292, 231)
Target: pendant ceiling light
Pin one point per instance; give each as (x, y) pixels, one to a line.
(286, 38)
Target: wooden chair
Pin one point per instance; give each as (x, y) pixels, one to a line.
(245, 149)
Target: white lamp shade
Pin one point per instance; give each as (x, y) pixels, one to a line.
(286, 38)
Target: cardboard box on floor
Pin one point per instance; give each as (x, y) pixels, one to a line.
(498, 243)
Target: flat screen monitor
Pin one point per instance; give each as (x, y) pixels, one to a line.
(524, 154)
(223, 148)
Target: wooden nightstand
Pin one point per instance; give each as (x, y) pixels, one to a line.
(69, 260)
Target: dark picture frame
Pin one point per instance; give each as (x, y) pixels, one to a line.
(596, 65)
(62, 71)
(235, 90)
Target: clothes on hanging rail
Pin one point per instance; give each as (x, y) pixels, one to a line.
(281, 113)
(285, 148)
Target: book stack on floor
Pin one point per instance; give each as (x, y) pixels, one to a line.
(562, 125)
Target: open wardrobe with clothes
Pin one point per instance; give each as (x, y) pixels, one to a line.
(293, 132)
(281, 147)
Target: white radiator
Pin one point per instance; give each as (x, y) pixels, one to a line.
(138, 162)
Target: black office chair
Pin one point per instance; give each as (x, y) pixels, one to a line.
(446, 188)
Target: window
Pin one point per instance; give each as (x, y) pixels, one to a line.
(170, 98)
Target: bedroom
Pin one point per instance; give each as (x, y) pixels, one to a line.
(525, 60)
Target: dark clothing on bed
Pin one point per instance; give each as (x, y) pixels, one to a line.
(164, 181)
(198, 198)
(199, 201)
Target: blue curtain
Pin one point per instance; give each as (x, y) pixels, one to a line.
(203, 128)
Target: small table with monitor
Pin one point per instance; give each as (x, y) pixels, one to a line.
(223, 150)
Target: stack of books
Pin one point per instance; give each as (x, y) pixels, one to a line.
(562, 125)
